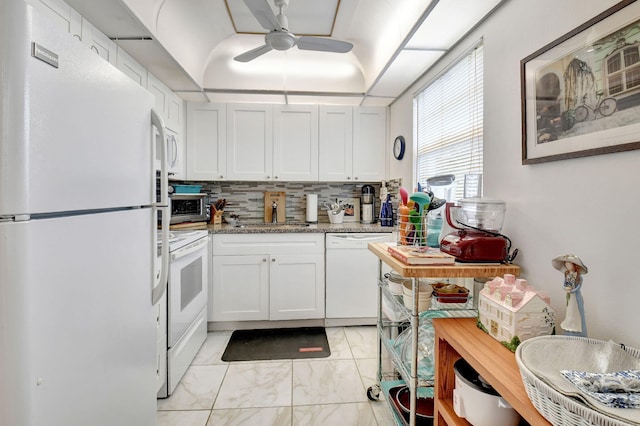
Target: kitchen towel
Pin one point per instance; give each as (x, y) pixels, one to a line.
(312, 208)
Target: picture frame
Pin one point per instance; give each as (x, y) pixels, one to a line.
(351, 209)
(580, 94)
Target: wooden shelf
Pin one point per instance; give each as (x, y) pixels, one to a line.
(458, 270)
(460, 337)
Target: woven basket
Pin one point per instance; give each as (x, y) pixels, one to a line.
(558, 409)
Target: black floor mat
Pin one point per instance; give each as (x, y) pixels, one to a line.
(277, 343)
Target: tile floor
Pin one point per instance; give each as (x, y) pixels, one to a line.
(319, 391)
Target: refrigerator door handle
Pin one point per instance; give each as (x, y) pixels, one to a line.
(159, 284)
(156, 121)
(160, 279)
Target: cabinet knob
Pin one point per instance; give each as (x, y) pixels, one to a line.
(264, 259)
(273, 259)
(348, 177)
(268, 177)
(221, 176)
(275, 177)
(356, 178)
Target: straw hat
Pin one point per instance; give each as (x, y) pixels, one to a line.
(559, 261)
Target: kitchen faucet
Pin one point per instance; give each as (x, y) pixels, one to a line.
(274, 212)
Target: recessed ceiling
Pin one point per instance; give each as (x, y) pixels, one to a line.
(190, 45)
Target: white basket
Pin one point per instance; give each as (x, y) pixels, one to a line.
(410, 234)
(558, 409)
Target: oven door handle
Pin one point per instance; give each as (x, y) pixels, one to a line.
(191, 248)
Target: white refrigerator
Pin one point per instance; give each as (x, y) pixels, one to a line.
(79, 270)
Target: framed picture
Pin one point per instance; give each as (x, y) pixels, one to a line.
(351, 209)
(581, 92)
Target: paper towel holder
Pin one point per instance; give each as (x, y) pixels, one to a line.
(312, 208)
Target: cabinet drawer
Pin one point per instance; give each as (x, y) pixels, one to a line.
(243, 244)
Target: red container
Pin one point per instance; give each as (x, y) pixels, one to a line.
(400, 396)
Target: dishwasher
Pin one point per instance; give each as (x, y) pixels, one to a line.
(351, 298)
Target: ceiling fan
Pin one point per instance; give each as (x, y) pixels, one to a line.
(279, 37)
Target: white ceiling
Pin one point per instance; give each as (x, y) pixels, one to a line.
(190, 46)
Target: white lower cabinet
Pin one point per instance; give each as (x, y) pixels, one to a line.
(240, 288)
(260, 277)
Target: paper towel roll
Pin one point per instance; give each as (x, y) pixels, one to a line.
(312, 208)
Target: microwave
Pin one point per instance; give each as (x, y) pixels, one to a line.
(188, 208)
(174, 155)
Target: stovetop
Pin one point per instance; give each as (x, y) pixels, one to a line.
(178, 239)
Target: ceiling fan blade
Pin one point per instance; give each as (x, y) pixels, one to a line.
(263, 13)
(323, 44)
(253, 53)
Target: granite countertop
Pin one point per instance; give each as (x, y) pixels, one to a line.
(267, 228)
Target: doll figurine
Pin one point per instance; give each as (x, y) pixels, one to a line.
(574, 323)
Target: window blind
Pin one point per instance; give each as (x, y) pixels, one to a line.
(448, 117)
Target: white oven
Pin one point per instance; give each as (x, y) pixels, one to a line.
(186, 324)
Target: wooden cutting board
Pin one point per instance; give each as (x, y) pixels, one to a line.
(188, 225)
(280, 198)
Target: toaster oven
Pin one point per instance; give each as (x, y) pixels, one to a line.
(188, 208)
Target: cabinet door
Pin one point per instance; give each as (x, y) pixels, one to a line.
(249, 142)
(369, 143)
(240, 288)
(335, 150)
(206, 141)
(296, 286)
(131, 67)
(295, 143)
(62, 14)
(175, 112)
(98, 42)
(160, 94)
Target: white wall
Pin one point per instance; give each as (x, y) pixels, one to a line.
(401, 124)
(588, 206)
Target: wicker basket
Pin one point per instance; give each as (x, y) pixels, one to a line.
(556, 407)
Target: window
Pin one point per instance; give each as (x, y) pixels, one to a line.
(448, 115)
(623, 69)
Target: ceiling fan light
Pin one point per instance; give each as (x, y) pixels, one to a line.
(280, 40)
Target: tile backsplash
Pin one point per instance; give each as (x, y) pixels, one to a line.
(246, 199)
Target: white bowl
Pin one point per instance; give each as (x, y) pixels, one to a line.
(423, 302)
(395, 281)
(424, 288)
(232, 220)
(424, 295)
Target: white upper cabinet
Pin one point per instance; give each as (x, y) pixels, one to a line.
(175, 112)
(369, 143)
(249, 142)
(98, 42)
(167, 104)
(160, 93)
(295, 143)
(131, 67)
(336, 143)
(206, 141)
(288, 143)
(62, 14)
